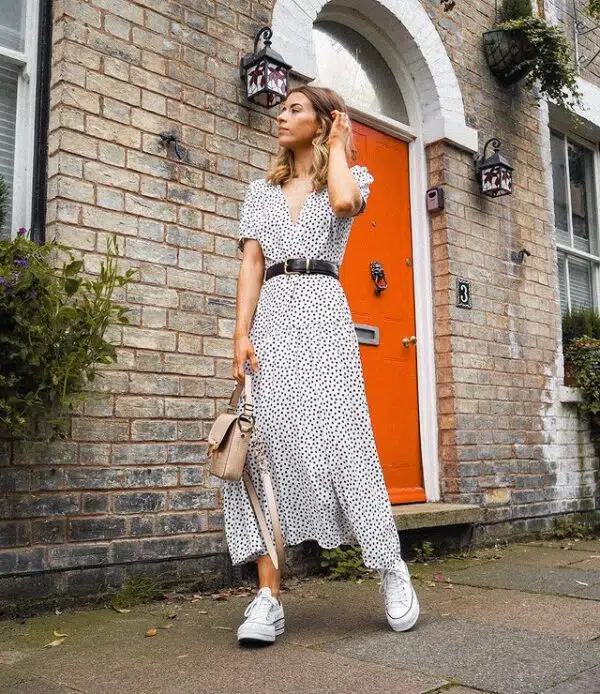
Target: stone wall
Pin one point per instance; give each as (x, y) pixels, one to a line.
(131, 484)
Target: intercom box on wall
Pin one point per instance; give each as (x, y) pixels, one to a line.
(435, 199)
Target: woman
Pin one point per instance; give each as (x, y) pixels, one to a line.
(294, 333)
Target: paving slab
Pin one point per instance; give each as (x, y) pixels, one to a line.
(587, 682)
(551, 614)
(591, 563)
(534, 555)
(37, 685)
(108, 653)
(592, 545)
(563, 581)
(480, 656)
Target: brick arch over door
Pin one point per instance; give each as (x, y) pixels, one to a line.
(408, 27)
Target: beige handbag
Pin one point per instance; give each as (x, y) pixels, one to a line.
(228, 443)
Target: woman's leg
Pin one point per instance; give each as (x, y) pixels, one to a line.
(268, 576)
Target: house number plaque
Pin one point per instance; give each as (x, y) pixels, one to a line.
(463, 294)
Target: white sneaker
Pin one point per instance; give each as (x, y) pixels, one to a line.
(401, 602)
(264, 621)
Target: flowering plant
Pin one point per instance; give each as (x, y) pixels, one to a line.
(53, 321)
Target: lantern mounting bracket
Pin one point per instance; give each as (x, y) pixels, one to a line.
(480, 158)
(266, 33)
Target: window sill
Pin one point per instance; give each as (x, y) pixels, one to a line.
(569, 394)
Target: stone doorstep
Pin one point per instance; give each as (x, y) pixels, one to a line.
(432, 515)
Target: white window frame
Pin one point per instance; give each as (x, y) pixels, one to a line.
(571, 250)
(26, 60)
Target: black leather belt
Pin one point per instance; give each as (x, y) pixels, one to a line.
(302, 266)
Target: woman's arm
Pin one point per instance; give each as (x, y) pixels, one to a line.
(344, 193)
(249, 283)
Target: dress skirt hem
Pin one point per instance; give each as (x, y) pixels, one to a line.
(349, 540)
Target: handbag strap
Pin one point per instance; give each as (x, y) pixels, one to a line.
(246, 386)
(275, 552)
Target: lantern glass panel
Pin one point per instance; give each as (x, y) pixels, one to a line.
(255, 78)
(277, 78)
(490, 179)
(506, 180)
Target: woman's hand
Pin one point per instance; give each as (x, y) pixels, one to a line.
(341, 130)
(243, 351)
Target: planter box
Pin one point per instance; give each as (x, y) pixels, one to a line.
(509, 54)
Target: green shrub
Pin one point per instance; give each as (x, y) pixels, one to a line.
(584, 354)
(52, 325)
(580, 323)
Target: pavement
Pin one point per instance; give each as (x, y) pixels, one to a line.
(521, 619)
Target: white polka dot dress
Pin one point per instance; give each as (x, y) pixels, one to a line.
(312, 420)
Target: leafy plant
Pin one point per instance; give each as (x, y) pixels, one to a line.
(425, 552)
(568, 527)
(53, 322)
(344, 564)
(592, 9)
(583, 322)
(136, 590)
(550, 63)
(584, 354)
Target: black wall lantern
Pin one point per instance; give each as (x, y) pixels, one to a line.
(494, 173)
(265, 73)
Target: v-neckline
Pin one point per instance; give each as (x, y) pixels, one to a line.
(287, 206)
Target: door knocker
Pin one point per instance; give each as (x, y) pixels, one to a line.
(378, 276)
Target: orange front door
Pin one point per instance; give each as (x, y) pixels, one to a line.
(386, 321)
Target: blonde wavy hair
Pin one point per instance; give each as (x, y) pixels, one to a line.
(324, 101)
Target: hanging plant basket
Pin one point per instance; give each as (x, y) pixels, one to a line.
(509, 54)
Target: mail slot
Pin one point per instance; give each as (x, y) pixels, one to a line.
(367, 334)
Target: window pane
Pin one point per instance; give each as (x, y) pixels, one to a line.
(12, 24)
(559, 177)
(562, 283)
(8, 112)
(580, 283)
(581, 180)
(348, 63)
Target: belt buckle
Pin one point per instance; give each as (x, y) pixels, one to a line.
(286, 271)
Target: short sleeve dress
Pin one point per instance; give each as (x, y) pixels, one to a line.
(313, 427)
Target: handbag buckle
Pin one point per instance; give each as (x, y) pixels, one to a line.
(245, 423)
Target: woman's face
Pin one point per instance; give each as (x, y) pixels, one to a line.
(298, 122)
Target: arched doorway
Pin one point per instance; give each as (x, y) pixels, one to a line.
(406, 40)
(385, 320)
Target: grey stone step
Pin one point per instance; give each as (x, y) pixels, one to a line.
(435, 514)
